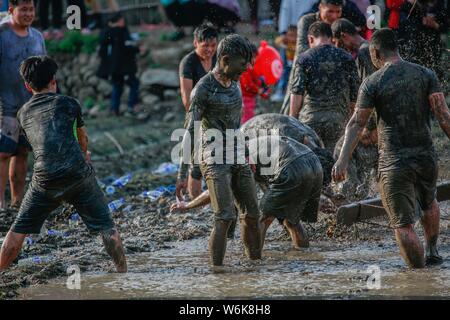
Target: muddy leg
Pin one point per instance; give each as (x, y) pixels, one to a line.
(113, 246)
(410, 247)
(298, 234)
(218, 242)
(10, 249)
(17, 176)
(251, 237)
(4, 165)
(265, 224)
(430, 222)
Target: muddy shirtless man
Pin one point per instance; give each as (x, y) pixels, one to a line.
(61, 171)
(404, 96)
(216, 102)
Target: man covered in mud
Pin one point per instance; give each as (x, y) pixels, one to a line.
(345, 36)
(291, 180)
(216, 102)
(193, 67)
(324, 86)
(404, 95)
(53, 124)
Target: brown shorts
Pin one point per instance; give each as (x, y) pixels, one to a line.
(401, 188)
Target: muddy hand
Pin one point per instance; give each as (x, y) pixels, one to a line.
(180, 189)
(339, 171)
(178, 206)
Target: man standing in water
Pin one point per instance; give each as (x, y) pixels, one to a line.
(61, 172)
(404, 95)
(216, 101)
(18, 41)
(193, 67)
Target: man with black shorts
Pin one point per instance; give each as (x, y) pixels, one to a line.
(404, 95)
(53, 124)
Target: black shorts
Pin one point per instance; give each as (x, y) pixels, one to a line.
(402, 188)
(85, 195)
(295, 195)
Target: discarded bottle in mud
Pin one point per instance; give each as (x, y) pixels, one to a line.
(110, 190)
(35, 260)
(152, 195)
(116, 204)
(74, 220)
(166, 168)
(172, 188)
(122, 181)
(56, 233)
(28, 241)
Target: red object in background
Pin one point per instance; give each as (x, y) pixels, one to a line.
(268, 64)
(394, 16)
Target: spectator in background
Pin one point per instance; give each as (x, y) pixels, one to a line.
(223, 14)
(183, 13)
(286, 43)
(251, 87)
(57, 22)
(420, 31)
(118, 62)
(193, 67)
(97, 12)
(18, 41)
(275, 7)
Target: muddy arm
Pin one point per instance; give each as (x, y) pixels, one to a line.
(200, 201)
(440, 108)
(83, 139)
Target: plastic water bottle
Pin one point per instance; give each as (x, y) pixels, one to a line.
(74, 220)
(27, 242)
(122, 181)
(152, 195)
(116, 204)
(166, 168)
(35, 260)
(55, 233)
(172, 188)
(110, 190)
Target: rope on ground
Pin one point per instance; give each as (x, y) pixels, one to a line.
(115, 142)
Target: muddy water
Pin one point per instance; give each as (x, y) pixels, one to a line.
(325, 270)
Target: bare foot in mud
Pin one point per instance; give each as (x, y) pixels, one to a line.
(221, 269)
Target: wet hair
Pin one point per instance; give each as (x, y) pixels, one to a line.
(333, 2)
(15, 3)
(205, 32)
(327, 161)
(235, 45)
(341, 26)
(320, 29)
(385, 42)
(38, 71)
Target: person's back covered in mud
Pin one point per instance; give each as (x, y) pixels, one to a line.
(289, 127)
(53, 124)
(324, 87)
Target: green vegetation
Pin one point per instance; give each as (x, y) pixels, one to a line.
(73, 42)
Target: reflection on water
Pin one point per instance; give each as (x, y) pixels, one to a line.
(325, 270)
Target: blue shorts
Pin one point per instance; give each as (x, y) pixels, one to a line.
(11, 136)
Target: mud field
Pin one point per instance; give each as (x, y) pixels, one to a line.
(167, 253)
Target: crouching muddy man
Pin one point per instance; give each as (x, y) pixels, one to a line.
(292, 184)
(404, 95)
(216, 101)
(61, 172)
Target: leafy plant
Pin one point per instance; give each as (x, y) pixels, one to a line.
(73, 42)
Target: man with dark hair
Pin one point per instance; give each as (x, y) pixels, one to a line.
(345, 36)
(193, 67)
(359, 183)
(324, 86)
(216, 101)
(18, 41)
(328, 12)
(404, 95)
(61, 169)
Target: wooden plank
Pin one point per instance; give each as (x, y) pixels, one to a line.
(367, 209)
